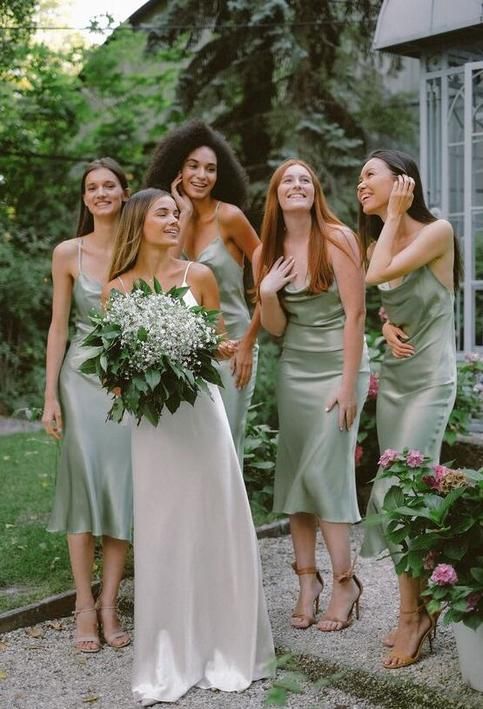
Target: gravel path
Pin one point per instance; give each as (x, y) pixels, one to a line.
(40, 670)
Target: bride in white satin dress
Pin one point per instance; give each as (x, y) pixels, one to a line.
(200, 613)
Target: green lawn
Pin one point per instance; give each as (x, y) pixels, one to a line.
(33, 563)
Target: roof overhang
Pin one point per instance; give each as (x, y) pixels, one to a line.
(411, 27)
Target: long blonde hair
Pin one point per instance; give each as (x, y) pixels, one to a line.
(273, 231)
(130, 230)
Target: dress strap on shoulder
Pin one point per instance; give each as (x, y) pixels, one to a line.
(186, 272)
(217, 207)
(79, 254)
(122, 284)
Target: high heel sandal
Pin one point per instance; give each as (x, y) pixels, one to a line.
(86, 638)
(406, 660)
(343, 624)
(306, 619)
(116, 634)
(390, 639)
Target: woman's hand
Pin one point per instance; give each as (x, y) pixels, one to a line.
(401, 196)
(182, 200)
(242, 364)
(279, 275)
(347, 403)
(397, 341)
(52, 418)
(227, 348)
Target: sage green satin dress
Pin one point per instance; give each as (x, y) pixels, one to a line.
(233, 304)
(315, 468)
(416, 394)
(93, 491)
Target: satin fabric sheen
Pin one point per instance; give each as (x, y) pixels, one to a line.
(416, 394)
(200, 613)
(93, 491)
(315, 468)
(229, 276)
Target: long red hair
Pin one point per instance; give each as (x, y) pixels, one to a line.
(273, 228)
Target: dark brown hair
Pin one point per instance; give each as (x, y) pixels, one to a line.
(370, 225)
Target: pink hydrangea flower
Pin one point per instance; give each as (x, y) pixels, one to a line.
(373, 386)
(388, 457)
(472, 357)
(359, 452)
(414, 458)
(444, 575)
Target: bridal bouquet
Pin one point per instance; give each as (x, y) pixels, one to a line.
(154, 349)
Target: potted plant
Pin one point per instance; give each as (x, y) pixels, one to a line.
(435, 515)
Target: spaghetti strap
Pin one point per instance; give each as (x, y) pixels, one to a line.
(122, 284)
(216, 208)
(79, 255)
(186, 273)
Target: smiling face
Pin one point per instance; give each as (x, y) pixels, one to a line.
(161, 225)
(375, 186)
(103, 193)
(199, 173)
(296, 189)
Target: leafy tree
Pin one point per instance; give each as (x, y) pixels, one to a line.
(277, 77)
(15, 30)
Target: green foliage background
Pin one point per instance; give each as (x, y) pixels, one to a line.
(277, 77)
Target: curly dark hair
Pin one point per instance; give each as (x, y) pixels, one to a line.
(171, 153)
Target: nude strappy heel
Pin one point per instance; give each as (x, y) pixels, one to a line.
(342, 624)
(406, 660)
(86, 638)
(117, 634)
(307, 621)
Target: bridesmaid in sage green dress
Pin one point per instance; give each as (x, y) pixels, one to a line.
(93, 495)
(310, 282)
(415, 264)
(209, 186)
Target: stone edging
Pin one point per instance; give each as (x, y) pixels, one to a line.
(62, 604)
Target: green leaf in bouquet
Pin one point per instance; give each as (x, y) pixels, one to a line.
(140, 284)
(153, 377)
(190, 395)
(140, 384)
(178, 292)
(103, 362)
(213, 376)
(172, 404)
(117, 410)
(142, 334)
(89, 366)
(157, 287)
(150, 412)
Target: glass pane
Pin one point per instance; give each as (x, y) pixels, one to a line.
(456, 183)
(479, 318)
(433, 97)
(477, 103)
(477, 239)
(456, 107)
(477, 172)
